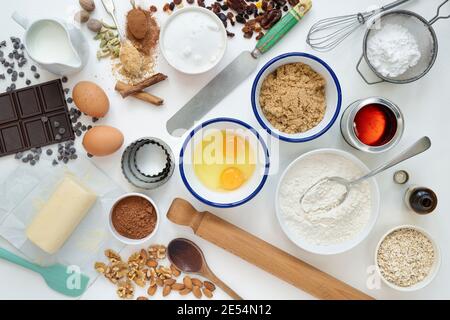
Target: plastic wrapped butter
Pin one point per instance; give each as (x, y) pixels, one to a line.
(59, 217)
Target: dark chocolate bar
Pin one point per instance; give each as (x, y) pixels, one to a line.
(34, 117)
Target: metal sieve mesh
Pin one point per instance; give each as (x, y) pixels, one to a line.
(426, 40)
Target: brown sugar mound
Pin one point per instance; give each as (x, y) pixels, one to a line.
(293, 99)
(134, 217)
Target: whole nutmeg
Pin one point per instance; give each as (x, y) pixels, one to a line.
(88, 5)
(82, 16)
(94, 25)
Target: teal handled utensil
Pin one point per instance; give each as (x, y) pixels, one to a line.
(233, 74)
(58, 277)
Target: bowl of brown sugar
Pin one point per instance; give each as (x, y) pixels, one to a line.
(296, 97)
(134, 218)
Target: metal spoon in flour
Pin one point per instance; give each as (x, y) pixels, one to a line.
(310, 197)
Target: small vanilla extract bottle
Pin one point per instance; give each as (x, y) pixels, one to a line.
(421, 200)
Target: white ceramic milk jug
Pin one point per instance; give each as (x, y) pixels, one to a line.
(54, 45)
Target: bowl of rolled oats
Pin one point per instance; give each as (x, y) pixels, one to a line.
(407, 258)
(296, 97)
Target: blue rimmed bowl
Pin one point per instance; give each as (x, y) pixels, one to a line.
(333, 96)
(224, 199)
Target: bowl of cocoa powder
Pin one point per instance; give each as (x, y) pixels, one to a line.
(134, 218)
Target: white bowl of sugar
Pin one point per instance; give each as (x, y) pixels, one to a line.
(193, 40)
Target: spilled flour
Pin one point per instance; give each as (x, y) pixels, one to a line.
(321, 224)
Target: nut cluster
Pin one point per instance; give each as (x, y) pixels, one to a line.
(143, 269)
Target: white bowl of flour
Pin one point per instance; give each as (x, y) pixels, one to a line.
(326, 231)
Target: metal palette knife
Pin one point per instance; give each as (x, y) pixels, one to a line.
(233, 74)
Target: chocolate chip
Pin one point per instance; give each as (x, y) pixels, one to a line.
(172, 6)
(33, 68)
(19, 155)
(58, 137)
(66, 90)
(54, 163)
(33, 162)
(37, 75)
(61, 130)
(13, 86)
(28, 82)
(21, 74)
(64, 79)
(89, 155)
(69, 100)
(56, 124)
(9, 71)
(49, 152)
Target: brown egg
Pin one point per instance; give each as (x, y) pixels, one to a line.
(90, 99)
(102, 140)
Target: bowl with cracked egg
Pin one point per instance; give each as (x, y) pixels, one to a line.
(224, 162)
(296, 97)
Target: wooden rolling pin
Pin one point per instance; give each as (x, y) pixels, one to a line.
(262, 254)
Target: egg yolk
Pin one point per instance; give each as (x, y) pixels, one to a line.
(232, 178)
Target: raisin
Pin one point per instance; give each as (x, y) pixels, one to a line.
(270, 18)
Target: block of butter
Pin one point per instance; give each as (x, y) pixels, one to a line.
(62, 213)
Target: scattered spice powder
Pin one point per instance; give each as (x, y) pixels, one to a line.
(143, 34)
(405, 257)
(134, 217)
(292, 98)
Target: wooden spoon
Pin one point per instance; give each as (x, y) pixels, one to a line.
(189, 258)
(262, 254)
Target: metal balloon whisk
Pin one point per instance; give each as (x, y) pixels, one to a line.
(327, 34)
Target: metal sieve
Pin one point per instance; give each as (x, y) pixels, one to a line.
(426, 38)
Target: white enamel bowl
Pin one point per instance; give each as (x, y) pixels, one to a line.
(232, 198)
(434, 269)
(333, 96)
(340, 247)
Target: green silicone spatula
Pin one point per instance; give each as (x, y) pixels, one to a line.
(58, 277)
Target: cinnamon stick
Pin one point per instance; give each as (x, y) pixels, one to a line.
(141, 95)
(143, 84)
